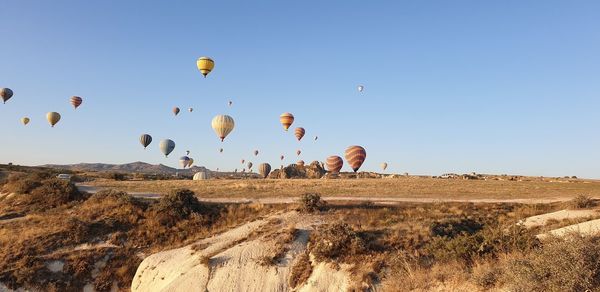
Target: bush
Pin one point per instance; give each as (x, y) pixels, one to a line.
(336, 240)
(55, 192)
(177, 205)
(569, 264)
(486, 274)
(453, 227)
(582, 202)
(311, 203)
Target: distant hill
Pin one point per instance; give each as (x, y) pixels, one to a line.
(134, 167)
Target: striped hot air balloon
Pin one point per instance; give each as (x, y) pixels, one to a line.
(286, 120)
(223, 125)
(355, 156)
(334, 164)
(299, 132)
(53, 118)
(76, 101)
(264, 169)
(6, 94)
(25, 121)
(205, 65)
(166, 146)
(183, 161)
(176, 110)
(145, 140)
(300, 163)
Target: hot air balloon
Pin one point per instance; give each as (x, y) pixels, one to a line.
(300, 163)
(166, 146)
(243, 160)
(334, 164)
(205, 65)
(176, 110)
(202, 175)
(53, 118)
(191, 162)
(298, 152)
(221, 150)
(249, 165)
(281, 157)
(223, 125)
(384, 165)
(299, 132)
(230, 103)
(255, 152)
(355, 156)
(360, 88)
(25, 121)
(235, 170)
(183, 161)
(264, 169)
(286, 119)
(145, 140)
(76, 101)
(187, 152)
(6, 94)
(316, 137)
(190, 110)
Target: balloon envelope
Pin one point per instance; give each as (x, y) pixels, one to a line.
(205, 65)
(176, 110)
(299, 132)
(355, 156)
(25, 121)
(361, 88)
(384, 165)
(76, 101)
(264, 169)
(6, 94)
(53, 118)
(222, 125)
(166, 146)
(286, 120)
(145, 140)
(249, 165)
(334, 164)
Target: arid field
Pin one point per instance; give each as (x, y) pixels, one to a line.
(413, 188)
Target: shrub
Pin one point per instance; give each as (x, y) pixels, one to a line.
(336, 240)
(568, 264)
(311, 203)
(453, 227)
(21, 183)
(582, 202)
(486, 274)
(55, 192)
(177, 205)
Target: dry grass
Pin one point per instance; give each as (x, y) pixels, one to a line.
(406, 187)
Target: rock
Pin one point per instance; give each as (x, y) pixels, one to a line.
(315, 170)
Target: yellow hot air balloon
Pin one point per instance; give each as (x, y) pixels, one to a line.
(25, 121)
(205, 65)
(286, 120)
(223, 125)
(53, 118)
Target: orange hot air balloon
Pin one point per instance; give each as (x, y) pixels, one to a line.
(176, 110)
(355, 156)
(334, 164)
(76, 101)
(299, 132)
(286, 120)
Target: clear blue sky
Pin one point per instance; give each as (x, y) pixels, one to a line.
(450, 86)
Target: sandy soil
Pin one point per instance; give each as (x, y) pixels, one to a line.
(541, 220)
(585, 228)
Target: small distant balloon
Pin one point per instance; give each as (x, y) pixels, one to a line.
(230, 103)
(53, 118)
(76, 101)
(281, 157)
(205, 65)
(384, 166)
(6, 94)
(176, 110)
(249, 165)
(243, 161)
(190, 110)
(221, 150)
(145, 140)
(25, 121)
(187, 152)
(316, 138)
(255, 152)
(183, 161)
(299, 133)
(298, 152)
(222, 125)
(360, 88)
(166, 146)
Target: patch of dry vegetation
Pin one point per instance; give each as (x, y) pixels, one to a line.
(99, 237)
(582, 202)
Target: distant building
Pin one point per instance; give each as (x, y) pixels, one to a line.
(64, 176)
